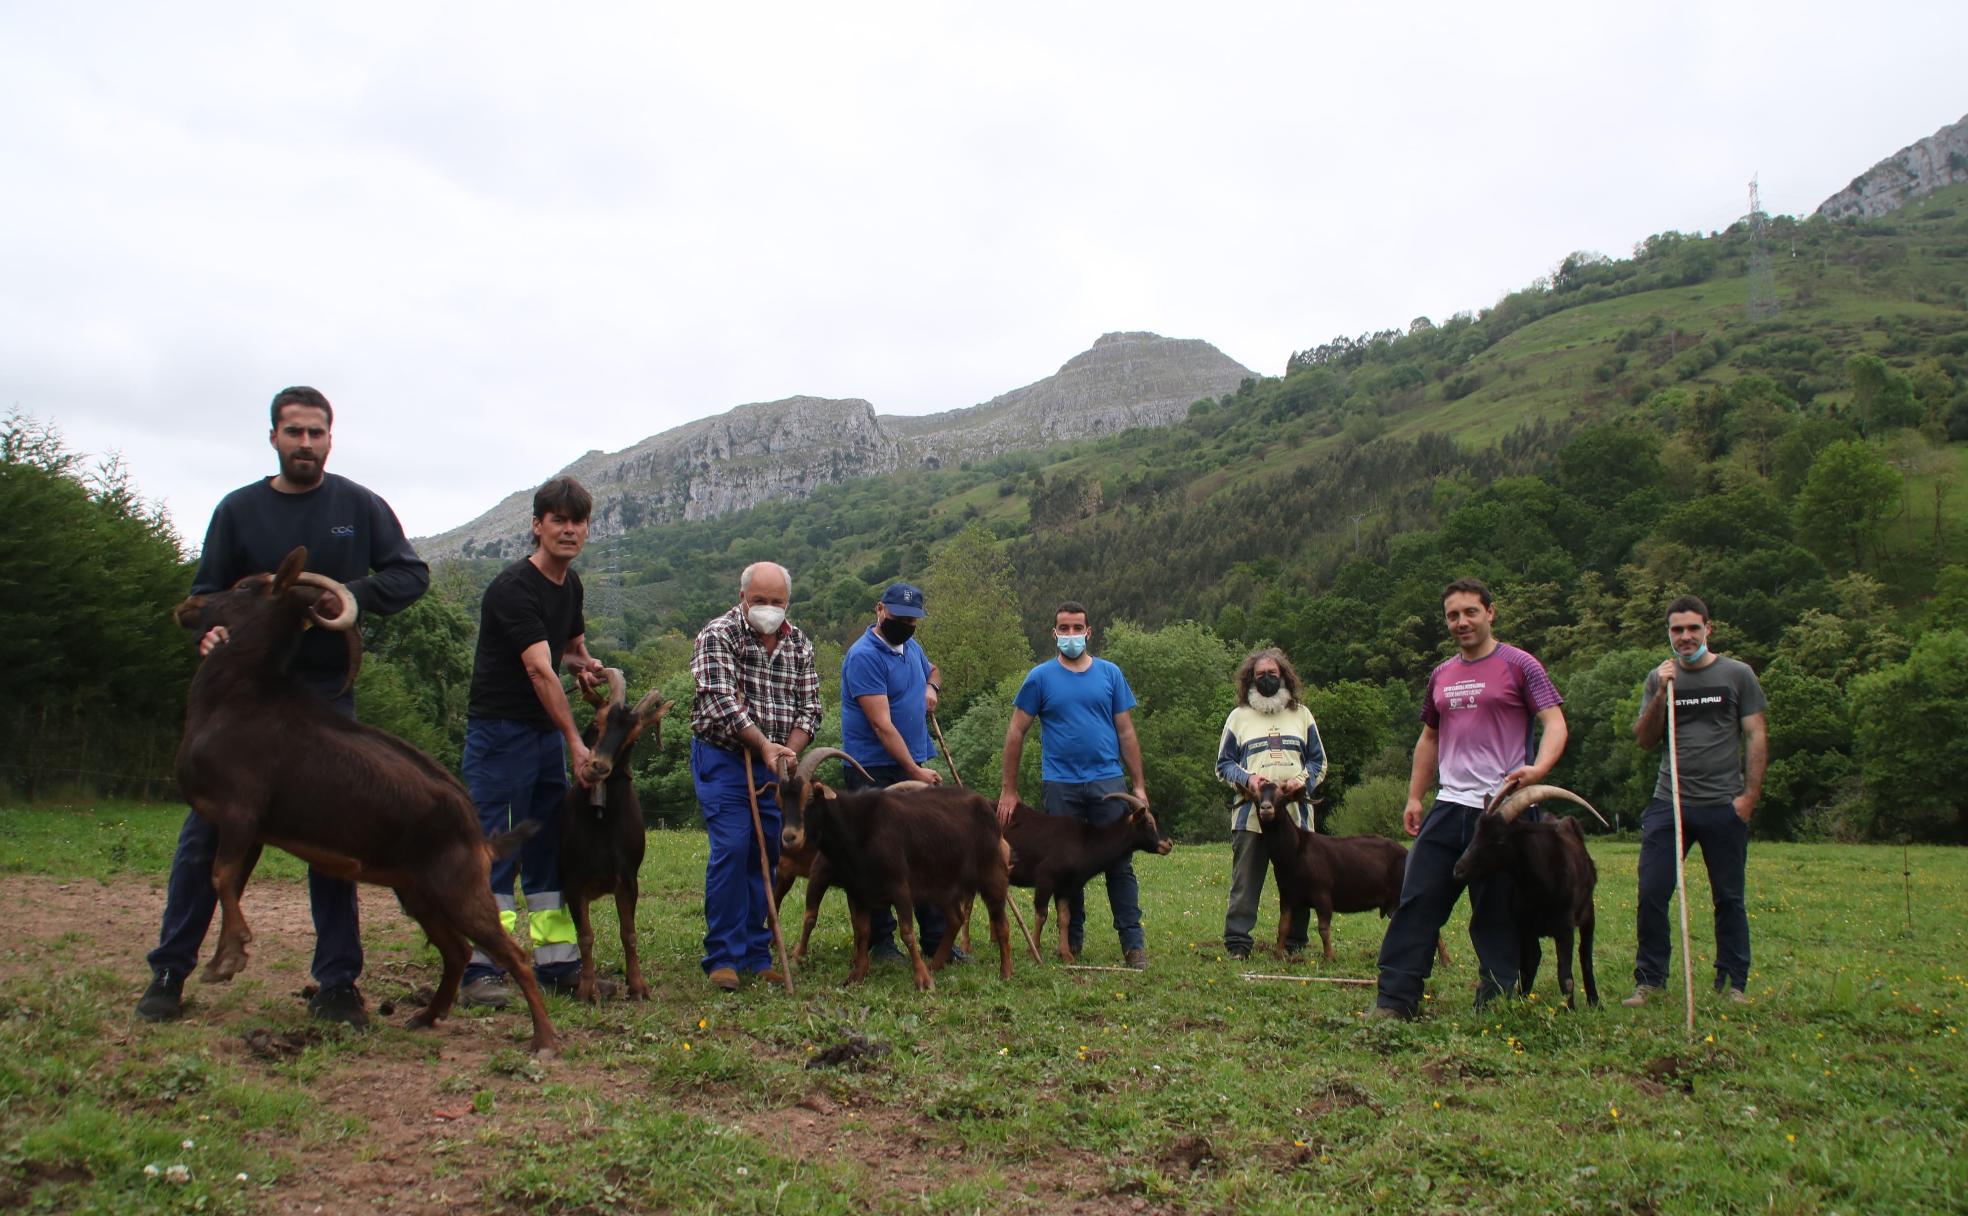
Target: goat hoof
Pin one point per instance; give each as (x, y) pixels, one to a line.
(639, 991)
(544, 1051)
(423, 1019)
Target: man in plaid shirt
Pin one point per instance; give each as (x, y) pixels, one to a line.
(759, 692)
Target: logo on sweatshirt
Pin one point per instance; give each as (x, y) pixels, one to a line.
(342, 530)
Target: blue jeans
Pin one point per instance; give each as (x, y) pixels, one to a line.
(1429, 892)
(929, 918)
(1087, 801)
(516, 772)
(190, 899)
(737, 933)
(1724, 841)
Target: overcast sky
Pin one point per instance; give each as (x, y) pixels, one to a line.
(498, 236)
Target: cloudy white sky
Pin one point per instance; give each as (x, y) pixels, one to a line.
(500, 235)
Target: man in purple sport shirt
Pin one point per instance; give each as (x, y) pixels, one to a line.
(1479, 718)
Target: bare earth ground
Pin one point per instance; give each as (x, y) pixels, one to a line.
(412, 1140)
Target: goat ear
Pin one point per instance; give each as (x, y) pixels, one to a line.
(826, 792)
(290, 569)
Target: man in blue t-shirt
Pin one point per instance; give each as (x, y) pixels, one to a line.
(888, 689)
(1084, 705)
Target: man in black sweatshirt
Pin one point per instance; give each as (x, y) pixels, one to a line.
(353, 537)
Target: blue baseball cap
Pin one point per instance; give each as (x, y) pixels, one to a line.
(902, 599)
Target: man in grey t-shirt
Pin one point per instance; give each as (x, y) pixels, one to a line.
(1718, 720)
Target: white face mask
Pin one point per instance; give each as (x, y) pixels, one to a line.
(765, 618)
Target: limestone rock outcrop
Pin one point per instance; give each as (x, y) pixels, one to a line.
(788, 449)
(1915, 170)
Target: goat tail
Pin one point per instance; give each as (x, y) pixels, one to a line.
(505, 844)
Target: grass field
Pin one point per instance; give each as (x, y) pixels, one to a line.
(1842, 1086)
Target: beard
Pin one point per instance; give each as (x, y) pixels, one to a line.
(302, 472)
(1272, 704)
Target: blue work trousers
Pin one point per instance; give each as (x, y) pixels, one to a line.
(190, 899)
(1724, 841)
(929, 918)
(1087, 801)
(516, 772)
(1428, 894)
(737, 933)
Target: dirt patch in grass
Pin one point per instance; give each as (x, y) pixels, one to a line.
(418, 1119)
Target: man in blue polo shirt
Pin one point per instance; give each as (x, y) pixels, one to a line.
(888, 689)
(1085, 707)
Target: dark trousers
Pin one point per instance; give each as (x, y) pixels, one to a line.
(1428, 894)
(1249, 860)
(1087, 801)
(929, 918)
(190, 899)
(517, 772)
(1724, 841)
(737, 933)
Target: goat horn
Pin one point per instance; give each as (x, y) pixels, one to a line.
(1514, 805)
(1139, 804)
(649, 706)
(903, 787)
(812, 759)
(341, 621)
(618, 686)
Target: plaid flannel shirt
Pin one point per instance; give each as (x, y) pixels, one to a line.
(740, 684)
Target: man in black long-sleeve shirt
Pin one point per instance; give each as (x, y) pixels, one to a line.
(353, 537)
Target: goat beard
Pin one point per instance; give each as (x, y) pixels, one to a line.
(1275, 703)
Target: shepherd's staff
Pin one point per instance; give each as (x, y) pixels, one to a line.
(765, 873)
(1680, 869)
(950, 760)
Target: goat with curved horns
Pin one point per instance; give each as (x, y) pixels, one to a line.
(1552, 878)
(266, 761)
(900, 847)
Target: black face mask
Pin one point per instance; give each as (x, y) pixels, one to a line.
(1268, 684)
(896, 630)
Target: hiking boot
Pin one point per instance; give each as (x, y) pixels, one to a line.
(959, 955)
(1136, 958)
(1237, 954)
(725, 978)
(886, 952)
(770, 976)
(163, 1001)
(1738, 996)
(341, 1004)
(1641, 995)
(1387, 1013)
(485, 992)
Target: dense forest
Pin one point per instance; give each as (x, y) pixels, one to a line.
(1615, 434)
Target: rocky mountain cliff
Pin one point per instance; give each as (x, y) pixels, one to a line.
(789, 448)
(1917, 169)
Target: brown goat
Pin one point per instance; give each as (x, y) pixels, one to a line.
(266, 761)
(933, 845)
(1329, 873)
(602, 833)
(1057, 856)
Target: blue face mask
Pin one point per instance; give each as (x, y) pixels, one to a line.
(1693, 660)
(1072, 645)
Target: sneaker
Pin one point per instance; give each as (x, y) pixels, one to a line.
(342, 1004)
(163, 1001)
(1386, 1013)
(1237, 954)
(1738, 996)
(485, 992)
(886, 952)
(1136, 958)
(959, 955)
(769, 976)
(725, 978)
(1641, 995)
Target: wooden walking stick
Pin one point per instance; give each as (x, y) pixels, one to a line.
(1680, 869)
(765, 874)
(1031, 942)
